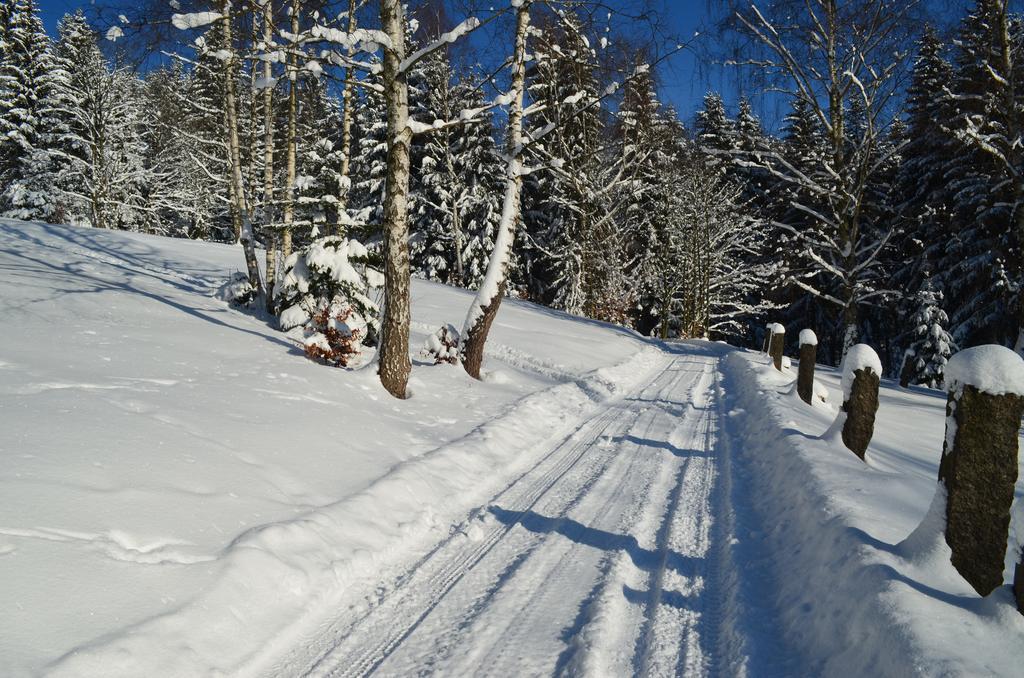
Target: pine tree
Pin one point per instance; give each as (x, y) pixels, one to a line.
(651, 151)
(715, 132)
(981, 267)
(927, 153)
(179, 202)
(205, 159)
(27, 74)
(565, 226)
(103, 177)
(369, 164)
(459, 181)
(931, 345)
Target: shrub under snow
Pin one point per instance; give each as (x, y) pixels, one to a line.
(238, 290)
(443, 346)
(325, 289)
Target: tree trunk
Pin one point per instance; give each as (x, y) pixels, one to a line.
(394, 365)
(492, 289)
(293, 114)
(268, 161)
(347, 103)
(239, 209)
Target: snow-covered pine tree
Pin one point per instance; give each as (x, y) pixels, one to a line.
(319, 183)
(177, 202)
(27, 75)
(103, 177)
(650, 152)
(206, 158)
(433, 233)
(480, 165)
(715, 132)
(930, 344)
(459, 180)
(982, 267)
(925, 157)
(568, 232)
(369, 163)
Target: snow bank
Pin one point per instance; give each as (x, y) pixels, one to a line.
(991, 369)
(859, 357)
(808, 338)
(276, 574)
(857, 567)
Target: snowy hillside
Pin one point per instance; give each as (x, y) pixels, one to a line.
(146, 426)
(185, 494)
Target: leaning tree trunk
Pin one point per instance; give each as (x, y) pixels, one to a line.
(239, 209)
(492, 289)
(394, 365)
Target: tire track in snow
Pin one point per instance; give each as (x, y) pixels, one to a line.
(644, 621)
(597, 560)
(406, 600)
(674, 640)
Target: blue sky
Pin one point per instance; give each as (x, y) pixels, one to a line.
(683, 83)
(684, 78)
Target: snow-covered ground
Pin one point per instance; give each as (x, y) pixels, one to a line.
(185, 494)
(853, 593)
(149, 433)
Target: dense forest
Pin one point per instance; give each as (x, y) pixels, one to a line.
(887, 206)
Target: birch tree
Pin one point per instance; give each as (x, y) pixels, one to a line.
(488, 297)
(393, 356)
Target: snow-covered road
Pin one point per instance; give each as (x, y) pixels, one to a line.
(601, 559)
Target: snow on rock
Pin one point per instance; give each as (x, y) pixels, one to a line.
(991, 369)
(808, 338)
(859, 357)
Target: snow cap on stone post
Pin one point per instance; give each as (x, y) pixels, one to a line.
(777, 333)
(862, 372)
(992, 369)
(805, 375)
(859, 357)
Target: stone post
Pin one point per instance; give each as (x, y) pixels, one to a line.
(861, 374)
(808, 356)
(984, 406)
(775, 347)
(1018, 582)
